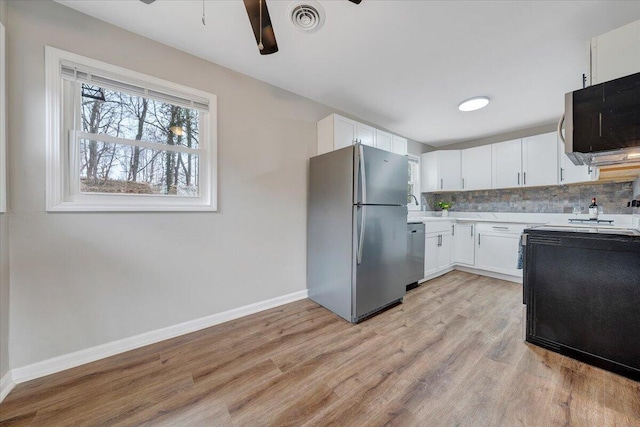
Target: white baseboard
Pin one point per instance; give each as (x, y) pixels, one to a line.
(501, 276)
(81, 357)
(437, 274)
(6, 385)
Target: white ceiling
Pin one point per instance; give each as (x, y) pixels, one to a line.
(403, 65)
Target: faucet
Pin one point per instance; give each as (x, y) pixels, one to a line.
(414, 198)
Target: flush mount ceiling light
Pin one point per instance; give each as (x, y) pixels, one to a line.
(475, 103)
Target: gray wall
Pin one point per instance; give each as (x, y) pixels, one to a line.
(79, 280)
(417, 148)
(4, 265)
(4, 294)
(612, 196)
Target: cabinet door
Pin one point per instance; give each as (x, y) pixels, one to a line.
(344, 132)
(570, 173)
(399, 145)
(444, 251)
(540, 160)
(507, 164)
(449, 170)
(429, 172)
(463, 249)
(616, 54)
(431, 249)
(498, 252)
(476, 168)
(366, 134)
(383, 140)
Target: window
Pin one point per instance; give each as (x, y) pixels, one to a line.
(123, 141)
(413, 198)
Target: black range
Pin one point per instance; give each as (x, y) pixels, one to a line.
(582, 291)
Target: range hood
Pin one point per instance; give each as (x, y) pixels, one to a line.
(602, 123)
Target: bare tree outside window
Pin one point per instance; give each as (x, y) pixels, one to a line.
(109, 167)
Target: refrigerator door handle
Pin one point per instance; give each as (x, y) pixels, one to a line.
(361, 237)
(363, 176)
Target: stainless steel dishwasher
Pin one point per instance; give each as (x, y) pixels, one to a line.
(415, 254)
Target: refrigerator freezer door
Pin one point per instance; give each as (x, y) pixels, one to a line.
(379, 277)
(385, 177)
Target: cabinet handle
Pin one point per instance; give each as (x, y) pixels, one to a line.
(561, 176)
(478, 239)
(472, 231)
(453, 230)
(463, 183)
(524, 176)
(441, 183)
(518, 178)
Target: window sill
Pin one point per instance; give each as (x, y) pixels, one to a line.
(130, 207)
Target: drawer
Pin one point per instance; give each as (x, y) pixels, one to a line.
(438, 227)
(499, 227)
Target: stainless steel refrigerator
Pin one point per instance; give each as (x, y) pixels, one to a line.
(357, 230)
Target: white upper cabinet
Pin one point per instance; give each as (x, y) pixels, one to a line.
(540, 160)
(365, 134)
(507, 164)
(616, 54)
(399, 145)
(335, 132)
(345, 132)
(527, 162)
(383, 140)
(476, 168)
(429, 172)
(440, 171)
(449, 168)
(570, 173)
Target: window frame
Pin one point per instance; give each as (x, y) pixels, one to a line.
(60, 161)
(3, 121)
(416, 185)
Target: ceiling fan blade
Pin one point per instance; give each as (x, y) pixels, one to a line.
(147, 1)
(268, 36)
(356, 1)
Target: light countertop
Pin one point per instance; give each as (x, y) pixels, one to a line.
(624, 221)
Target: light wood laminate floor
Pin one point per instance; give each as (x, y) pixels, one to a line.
(451, 355)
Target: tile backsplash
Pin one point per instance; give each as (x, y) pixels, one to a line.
(612, 196)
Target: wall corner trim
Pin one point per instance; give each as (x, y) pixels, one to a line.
(6, 385)
(91, 354)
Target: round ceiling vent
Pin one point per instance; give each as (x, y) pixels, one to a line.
(306, 15)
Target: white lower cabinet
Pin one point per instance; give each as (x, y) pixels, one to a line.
(497, 248)
(437, 249)
(477, 246)
(431, 249)
(464, 248)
